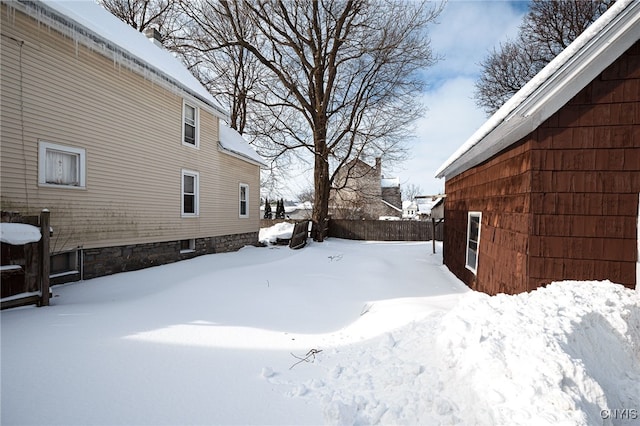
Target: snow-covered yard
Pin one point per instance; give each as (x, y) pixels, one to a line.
(393, 338)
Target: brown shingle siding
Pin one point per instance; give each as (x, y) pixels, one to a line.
(498, 189)
(562, 203)
(631, 90)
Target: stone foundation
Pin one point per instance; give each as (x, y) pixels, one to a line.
(98, 262)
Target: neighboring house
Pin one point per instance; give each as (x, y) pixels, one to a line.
(119, 141)
(422, 208)
(364, 193)
(410, 210)
(547, 189)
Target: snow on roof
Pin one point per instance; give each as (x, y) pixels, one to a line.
(406, 204)
(391, 205)
(91, 24)
(575, 67)
(390, 182)
(232, 142)
(19, 234)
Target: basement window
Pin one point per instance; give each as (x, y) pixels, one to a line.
(188, 246)
(473, 240)
(65, 263)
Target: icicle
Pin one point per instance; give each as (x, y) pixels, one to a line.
(11, 13)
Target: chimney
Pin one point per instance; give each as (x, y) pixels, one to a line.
(154, 36)
(379, 166)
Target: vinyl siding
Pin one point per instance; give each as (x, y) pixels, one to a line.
(56, 90)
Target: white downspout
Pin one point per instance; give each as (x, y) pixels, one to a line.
(638, 253)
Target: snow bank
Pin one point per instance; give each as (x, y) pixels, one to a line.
(566, 354)
(283, 230)
(19, 233)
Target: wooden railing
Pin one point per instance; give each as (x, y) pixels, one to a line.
(25, 268)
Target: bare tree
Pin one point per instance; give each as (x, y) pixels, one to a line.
(547, 29)
(342, 77)
(410, 191)
(229, 72)
(163, 15)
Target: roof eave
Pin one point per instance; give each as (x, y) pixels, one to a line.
(28, 6)
(241, 156)
(514, 120)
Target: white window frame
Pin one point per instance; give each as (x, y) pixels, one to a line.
(75, 261)
(192, 246)
(43, 147)
(186, 104)
(196, 193)
(246, 200)
(473, 268)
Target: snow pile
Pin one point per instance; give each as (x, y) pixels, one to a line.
(565, 354)
(19, 233)
(560, 354)
(282, 230)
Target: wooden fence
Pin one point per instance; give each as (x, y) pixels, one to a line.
(385, 230)
(25, 268)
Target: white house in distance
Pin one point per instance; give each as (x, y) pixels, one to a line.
(420, 208)
(119, 141)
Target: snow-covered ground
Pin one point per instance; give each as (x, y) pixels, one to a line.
(389, 337)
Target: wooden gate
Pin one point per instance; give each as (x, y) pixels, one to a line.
(24, 268)
(300, 234)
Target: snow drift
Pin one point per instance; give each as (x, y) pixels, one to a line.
(397, 339)
(565, 354)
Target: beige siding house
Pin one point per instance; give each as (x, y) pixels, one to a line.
(115, 137)
(362, 192)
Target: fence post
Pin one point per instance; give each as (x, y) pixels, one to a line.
(433, 233)
(44, 257)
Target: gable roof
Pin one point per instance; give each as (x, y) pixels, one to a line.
(234, 144)
(574, 68)
(90, 24)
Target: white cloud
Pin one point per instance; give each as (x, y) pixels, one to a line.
(468, 30)
(451, 119)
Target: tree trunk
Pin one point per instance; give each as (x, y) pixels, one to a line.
(321, 200)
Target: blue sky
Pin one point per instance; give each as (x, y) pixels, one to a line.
(466, 32)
